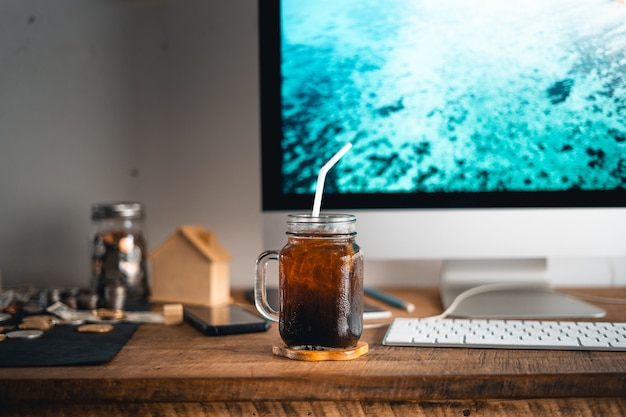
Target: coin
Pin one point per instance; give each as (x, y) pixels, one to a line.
(40, 317)
(38, 322)
(36, 325)
(107, 313)
(25, 334)
(95, 328)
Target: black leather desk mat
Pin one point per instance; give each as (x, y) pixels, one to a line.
(64, 345)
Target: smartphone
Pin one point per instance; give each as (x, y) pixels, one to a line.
(370, 312)
(223, 320)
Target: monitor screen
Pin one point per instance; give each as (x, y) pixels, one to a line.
(446, 103)
(479, 129)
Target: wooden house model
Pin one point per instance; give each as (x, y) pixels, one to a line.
(190, 266)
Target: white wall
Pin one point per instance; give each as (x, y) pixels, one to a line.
(102, 100)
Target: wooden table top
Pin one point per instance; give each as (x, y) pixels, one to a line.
(177, 364)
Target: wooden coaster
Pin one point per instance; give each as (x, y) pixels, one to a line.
(321, 355)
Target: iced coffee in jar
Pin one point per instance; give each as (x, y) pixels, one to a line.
(320, 283)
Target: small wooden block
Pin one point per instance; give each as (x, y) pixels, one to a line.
(172, 314)
(321, 355)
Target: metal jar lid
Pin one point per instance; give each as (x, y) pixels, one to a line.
(119, 210)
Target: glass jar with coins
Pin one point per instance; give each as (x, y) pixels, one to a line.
(118, 255)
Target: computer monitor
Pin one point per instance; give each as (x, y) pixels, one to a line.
(481, 131)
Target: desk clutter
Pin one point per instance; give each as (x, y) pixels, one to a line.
(87, 326)
(38, 329)
(44, 340)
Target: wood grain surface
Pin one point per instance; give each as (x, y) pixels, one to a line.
(174, 370)
(459, 408)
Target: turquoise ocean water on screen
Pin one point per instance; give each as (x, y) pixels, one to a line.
(451, 95)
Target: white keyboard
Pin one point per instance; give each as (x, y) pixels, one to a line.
(506, 334)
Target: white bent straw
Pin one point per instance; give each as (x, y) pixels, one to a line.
(321, 177)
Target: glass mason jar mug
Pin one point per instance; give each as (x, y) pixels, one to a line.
(320, 283)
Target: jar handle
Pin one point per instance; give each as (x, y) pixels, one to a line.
(260, 289)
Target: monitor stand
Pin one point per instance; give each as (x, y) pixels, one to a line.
(509, 288)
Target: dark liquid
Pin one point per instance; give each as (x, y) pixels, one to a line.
(321, 284)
